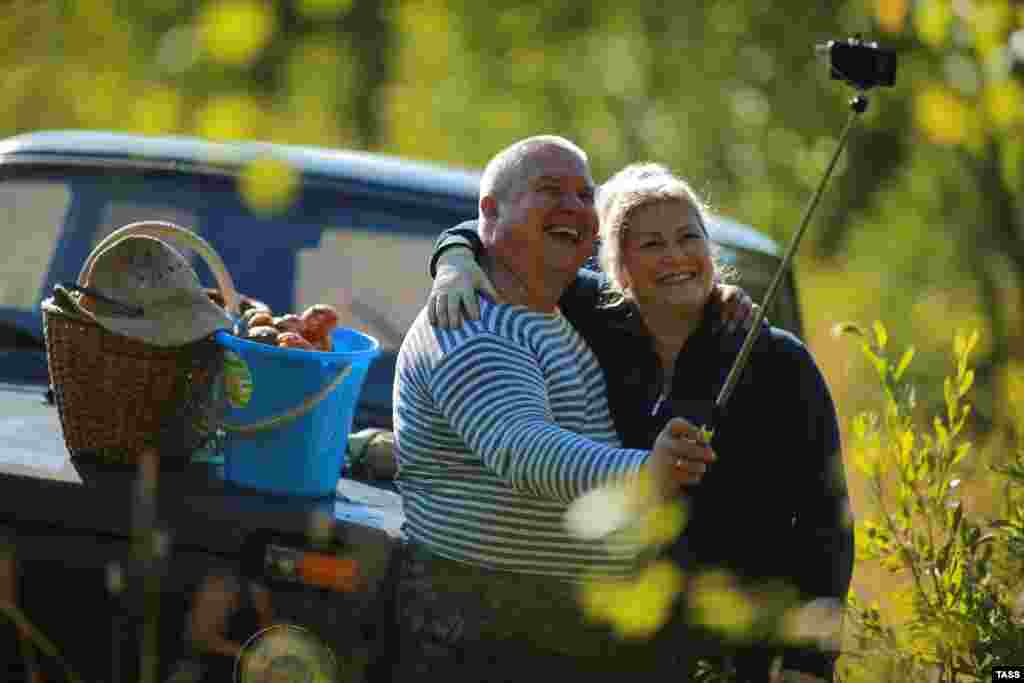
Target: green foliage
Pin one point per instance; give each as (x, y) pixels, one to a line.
(954, 610)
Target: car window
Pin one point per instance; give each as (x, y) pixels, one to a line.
(756, 271)
(32, 212)
(376, 278)
(117, 214)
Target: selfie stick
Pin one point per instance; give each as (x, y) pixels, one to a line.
(858, 105)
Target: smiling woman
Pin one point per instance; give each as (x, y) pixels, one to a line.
(664, 355)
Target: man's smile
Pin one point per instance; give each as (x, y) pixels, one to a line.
(566, 233)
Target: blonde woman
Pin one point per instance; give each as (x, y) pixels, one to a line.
(773, 510)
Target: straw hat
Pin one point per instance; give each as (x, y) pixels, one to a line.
(154, 294)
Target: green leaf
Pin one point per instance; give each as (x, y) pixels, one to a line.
(878, 362)
(961, 452)
(941, 432)
(881, 334)
(932, 20)
(966, 381)
(901, 367)
(860, 426)
(972, 342)
(907, 443)
(839, 329)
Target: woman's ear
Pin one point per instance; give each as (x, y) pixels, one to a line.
(489, 207)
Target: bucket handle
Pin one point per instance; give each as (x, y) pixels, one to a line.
(175, 233)
(292, 414)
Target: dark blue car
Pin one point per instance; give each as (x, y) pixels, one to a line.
(357, 235)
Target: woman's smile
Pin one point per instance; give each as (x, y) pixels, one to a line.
(677, 278)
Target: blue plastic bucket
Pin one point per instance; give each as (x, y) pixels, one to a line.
(290, 412)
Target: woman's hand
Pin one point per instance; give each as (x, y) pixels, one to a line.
(678, 458)
(736, 306)
(459, 278)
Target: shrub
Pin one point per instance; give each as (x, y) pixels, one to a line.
(953, 614)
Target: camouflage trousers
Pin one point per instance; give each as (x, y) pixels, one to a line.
(464, 623)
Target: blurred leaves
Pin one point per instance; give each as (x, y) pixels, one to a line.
(942, 116)
(891, 14)
(635, 607)
(721, 606)
(235, 31)
(268, 185)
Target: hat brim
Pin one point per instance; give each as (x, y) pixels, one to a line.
(176, 323)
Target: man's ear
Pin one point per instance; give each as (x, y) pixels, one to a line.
(489, 207)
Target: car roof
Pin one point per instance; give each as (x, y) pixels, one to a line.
(111, 149)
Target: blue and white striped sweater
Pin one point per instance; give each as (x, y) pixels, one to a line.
(499, 425)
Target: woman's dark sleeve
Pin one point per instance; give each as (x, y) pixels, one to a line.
(822, 549)
(456, 237)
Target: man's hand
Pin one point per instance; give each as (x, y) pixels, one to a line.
(459, 278)
(737, 308)
(678, 457)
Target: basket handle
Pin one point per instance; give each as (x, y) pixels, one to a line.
(181, 236)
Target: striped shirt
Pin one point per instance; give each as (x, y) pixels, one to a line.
(499, 426)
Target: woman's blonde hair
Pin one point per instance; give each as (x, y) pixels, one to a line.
(618, 199)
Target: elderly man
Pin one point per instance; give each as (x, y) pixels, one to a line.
(500, 424)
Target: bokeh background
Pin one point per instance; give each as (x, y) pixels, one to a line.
(922, 226)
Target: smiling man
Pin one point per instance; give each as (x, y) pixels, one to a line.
(537, 219)
(499, 425)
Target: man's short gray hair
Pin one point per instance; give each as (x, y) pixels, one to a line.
(504, 171)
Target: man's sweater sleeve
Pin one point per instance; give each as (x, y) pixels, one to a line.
(462, 235)
(493, 394)
(822, 550)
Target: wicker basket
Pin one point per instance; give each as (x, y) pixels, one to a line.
(117, 396)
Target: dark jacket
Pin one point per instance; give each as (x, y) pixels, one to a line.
(774, 505)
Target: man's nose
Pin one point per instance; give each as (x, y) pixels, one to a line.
(573, 201)
(674, 252)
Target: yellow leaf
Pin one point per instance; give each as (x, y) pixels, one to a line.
(839, 329)
(881, 334)
(941, 432)
(229, 117)
(891, 14)
(941, 115)
(972, 342)
(932, 20)
(269, 185)
(961, 452)
(966, 382)
(907, 442)
(1004, 102)
(236, 31)
(635, 608)
(662, 524)
(989, 22)
(722, 607)
(908, 356)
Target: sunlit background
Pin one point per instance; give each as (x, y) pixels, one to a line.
(922, 226)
